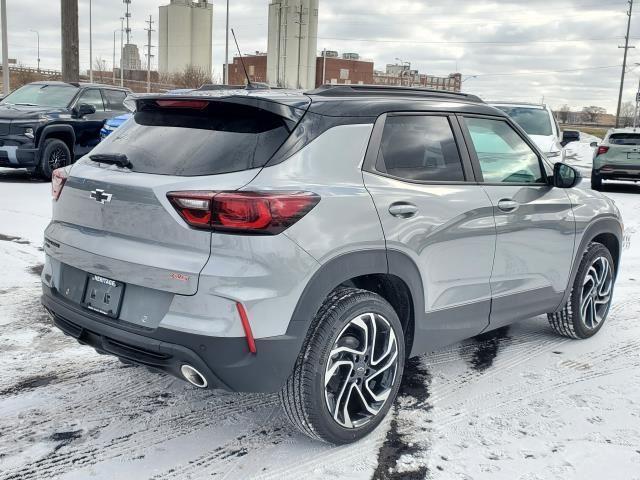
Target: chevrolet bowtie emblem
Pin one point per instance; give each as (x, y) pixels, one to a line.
(99, 196)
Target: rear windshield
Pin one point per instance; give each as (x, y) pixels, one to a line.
(221, 138)
(625, 139)
(534, 121)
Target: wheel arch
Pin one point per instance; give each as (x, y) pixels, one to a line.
(390, 274)
(64, 133)
(607, 231)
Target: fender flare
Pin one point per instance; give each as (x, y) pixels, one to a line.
(345, 267)
(610, 225)
(49, 129)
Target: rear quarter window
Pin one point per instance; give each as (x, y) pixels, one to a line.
(625, 139)
(222, 138)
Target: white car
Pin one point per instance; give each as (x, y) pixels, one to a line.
(539, 123)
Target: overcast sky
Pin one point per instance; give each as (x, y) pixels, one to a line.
(565, 51)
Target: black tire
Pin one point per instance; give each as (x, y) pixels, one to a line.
(571, 321)
(55, 154)
(303, 396)
(596, 182)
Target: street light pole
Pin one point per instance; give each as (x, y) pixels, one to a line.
(90, 45)
(38, 35)
(5, 49)
(121, 52)
(114, 57)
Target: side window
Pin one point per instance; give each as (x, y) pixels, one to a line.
(419, 148)
(504, 157)
(92, 97)
(114, 100)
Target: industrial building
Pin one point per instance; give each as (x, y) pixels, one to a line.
(185, 31)
(292, 43)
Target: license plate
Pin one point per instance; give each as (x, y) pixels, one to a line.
(103, 295)
(633, 156)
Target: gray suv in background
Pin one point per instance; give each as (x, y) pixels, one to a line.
(309, 243)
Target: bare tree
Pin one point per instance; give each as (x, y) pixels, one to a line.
(100, 65)
(22, 76)
(191, 77)
(593, 113)
(563, 113)
(627, 111)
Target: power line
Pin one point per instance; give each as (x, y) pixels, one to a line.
(473, 42)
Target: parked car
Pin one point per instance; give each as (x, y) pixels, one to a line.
(112, 123)
(540, 124)
(47, 125)
(617, 157)
(309, 243)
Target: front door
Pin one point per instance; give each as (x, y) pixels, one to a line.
(432, 211)
(534, 222)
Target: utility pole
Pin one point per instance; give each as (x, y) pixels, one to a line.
(624, 61)
(90, 45)
(226, 51)
(121, 52)
(70, 42)
(301, 13)
(149, 46)
(324, 66)
(5, 50)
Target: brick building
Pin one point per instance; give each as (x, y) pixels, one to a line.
(349, 69)
(256, 68)
(343, 71)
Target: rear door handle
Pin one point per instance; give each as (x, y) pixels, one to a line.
(508, 205)
(403, 210)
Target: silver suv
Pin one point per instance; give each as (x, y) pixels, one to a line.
(309, 243)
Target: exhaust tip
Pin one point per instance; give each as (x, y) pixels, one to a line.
(193, 376)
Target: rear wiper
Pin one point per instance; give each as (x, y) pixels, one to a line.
(119, 159)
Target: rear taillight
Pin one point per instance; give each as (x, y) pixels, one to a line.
(58, 179)
(602, 150)
(267, 213)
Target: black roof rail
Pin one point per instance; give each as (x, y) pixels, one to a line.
(385, 90)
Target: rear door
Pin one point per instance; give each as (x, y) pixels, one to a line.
(118, 223)
(624, 149)
(534, 221)
(420, 177)
(114, 101)
(88, 127)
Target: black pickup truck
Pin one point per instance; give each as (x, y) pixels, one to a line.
(47, 125)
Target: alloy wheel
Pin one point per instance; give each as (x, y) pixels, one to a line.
(361, 370)
(595, 297)
(57, 158)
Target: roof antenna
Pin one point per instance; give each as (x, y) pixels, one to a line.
(249, 85)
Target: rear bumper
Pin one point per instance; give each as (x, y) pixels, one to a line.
(618, 172)
(225, 362)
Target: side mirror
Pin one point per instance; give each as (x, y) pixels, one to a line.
(593, 144)
(569, 136)
(85, 109)
(565, 176)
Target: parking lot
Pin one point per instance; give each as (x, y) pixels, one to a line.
(520, 402)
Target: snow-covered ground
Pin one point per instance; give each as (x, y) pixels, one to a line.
(520, 403)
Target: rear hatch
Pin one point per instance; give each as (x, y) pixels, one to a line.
(117, 222)
(624, 149)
